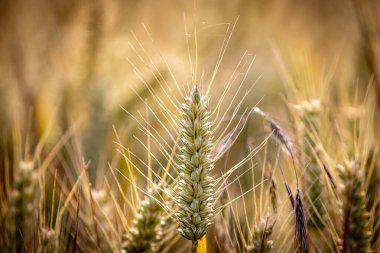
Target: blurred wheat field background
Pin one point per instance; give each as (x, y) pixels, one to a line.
(189, 126)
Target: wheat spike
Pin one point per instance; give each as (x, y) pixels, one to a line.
(22, 206)
(148, 227)
(309, 114)
(196, 186)
(301, 230)
(356, 235)
(261, 234)
(49, 241)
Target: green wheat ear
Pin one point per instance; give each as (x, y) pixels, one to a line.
(196, 186)
(261, 233)
(149, 226)
(356, 235)
(22, 204)
(310, 112)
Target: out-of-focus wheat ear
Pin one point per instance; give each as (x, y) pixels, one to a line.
(273, 194)
(309, 113)
(196, 187)
(261, 242)
(224, 226)
(280, 135)
(21, 222)
(301, 231)
(277, 131)
(273, 191)
(149, 226)
(107, 239)
(49, 241)
(356, 235)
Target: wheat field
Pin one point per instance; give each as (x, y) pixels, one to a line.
(189, 126)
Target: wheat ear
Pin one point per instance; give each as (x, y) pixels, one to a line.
(196, 187)
(261, 242)
(356, 235)
(148, 227)
(309, 114)
(49, 241)
(22, 204)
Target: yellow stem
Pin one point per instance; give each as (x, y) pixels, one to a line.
(202, 245)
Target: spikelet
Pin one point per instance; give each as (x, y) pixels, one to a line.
(20, 226)
(196, 187)
(356, 235)
(261, 233)
(49, 241)
(309, 114)
(148, 228)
